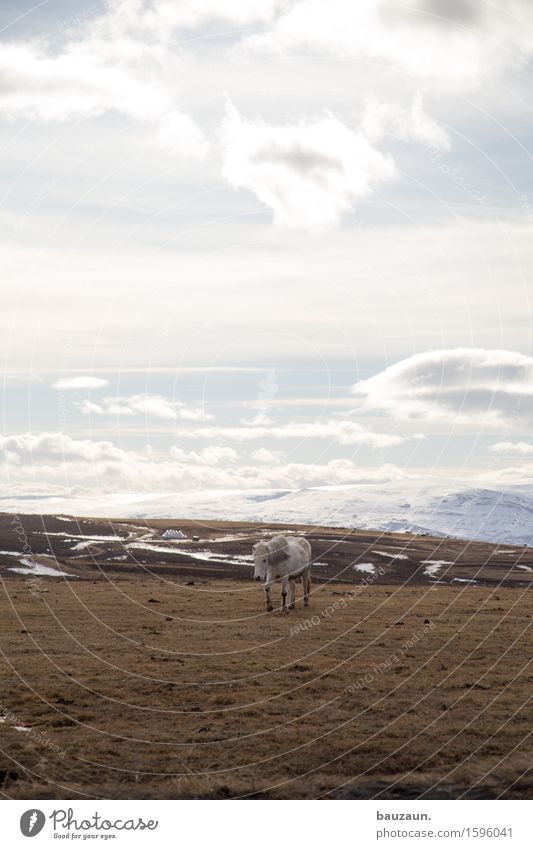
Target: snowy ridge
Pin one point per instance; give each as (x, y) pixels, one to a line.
(500, 516)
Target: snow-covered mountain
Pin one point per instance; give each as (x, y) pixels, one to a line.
(500, 516)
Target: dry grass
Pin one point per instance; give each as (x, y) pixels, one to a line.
(159, 689)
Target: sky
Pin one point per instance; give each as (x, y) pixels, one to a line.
(265, 244)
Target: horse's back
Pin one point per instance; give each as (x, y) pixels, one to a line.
(302, 544)
(288, 555)
(300, 550)
(278, 549)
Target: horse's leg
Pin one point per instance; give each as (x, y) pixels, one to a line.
(268, 594)
(307, 587)
(292, 605)
(284, 588)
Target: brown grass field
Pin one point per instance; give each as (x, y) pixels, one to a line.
(164, 680)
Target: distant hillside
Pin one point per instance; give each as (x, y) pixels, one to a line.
(499, 516)
(66, 548)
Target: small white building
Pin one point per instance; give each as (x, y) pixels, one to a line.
(170, 533)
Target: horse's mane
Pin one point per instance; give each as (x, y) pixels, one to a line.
(278, 550)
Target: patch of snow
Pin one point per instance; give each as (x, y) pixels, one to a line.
(234, 559)
(434, 566)
(30, 567)
(4, 719)
(238, 537)
(525, 568)
(88, 537)
(205, 554)
(369, 568)
(392, 556)
(86, 543)
(147, 547)
(103, 538)
(465, 580)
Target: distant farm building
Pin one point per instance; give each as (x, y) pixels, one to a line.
(170, 533)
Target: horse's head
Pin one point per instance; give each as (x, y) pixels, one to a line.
(260, 551)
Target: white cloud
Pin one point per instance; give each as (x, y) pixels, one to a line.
(509, 476)
(212, 456)
(23, 378)
(413, 124)
(162, 17)
(474, 385)
(50, 462)
(432, 40)
(309, 175)
(149, 405)
(87, 79)
(264, 455)
(259, 420)
(44, 460)
(53, 463)
(28, 449)
(154, 406)
(342, 432)
(80, 382)
(193, 414)
(512, 448)
(88, 407)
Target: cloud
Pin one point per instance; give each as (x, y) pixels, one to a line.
(54, 463)
(53, 460)
(153, 406)
(212, 456)
(162, 17)
(413, 124)
(512, 448)
(342, 432)
(309, 174)
(37, 449)
(148, 405)
(508, 476)
(81, 382)
(88, 407)
(264, 455)
(86, 79)
(23, 378)
(472, 385)
(452, 10)
(130, 60)
(267, 391)
(431, 40)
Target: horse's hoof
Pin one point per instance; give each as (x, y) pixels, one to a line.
(306, 604)
(292, 606)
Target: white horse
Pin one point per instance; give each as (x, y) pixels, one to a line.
(284, 559)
